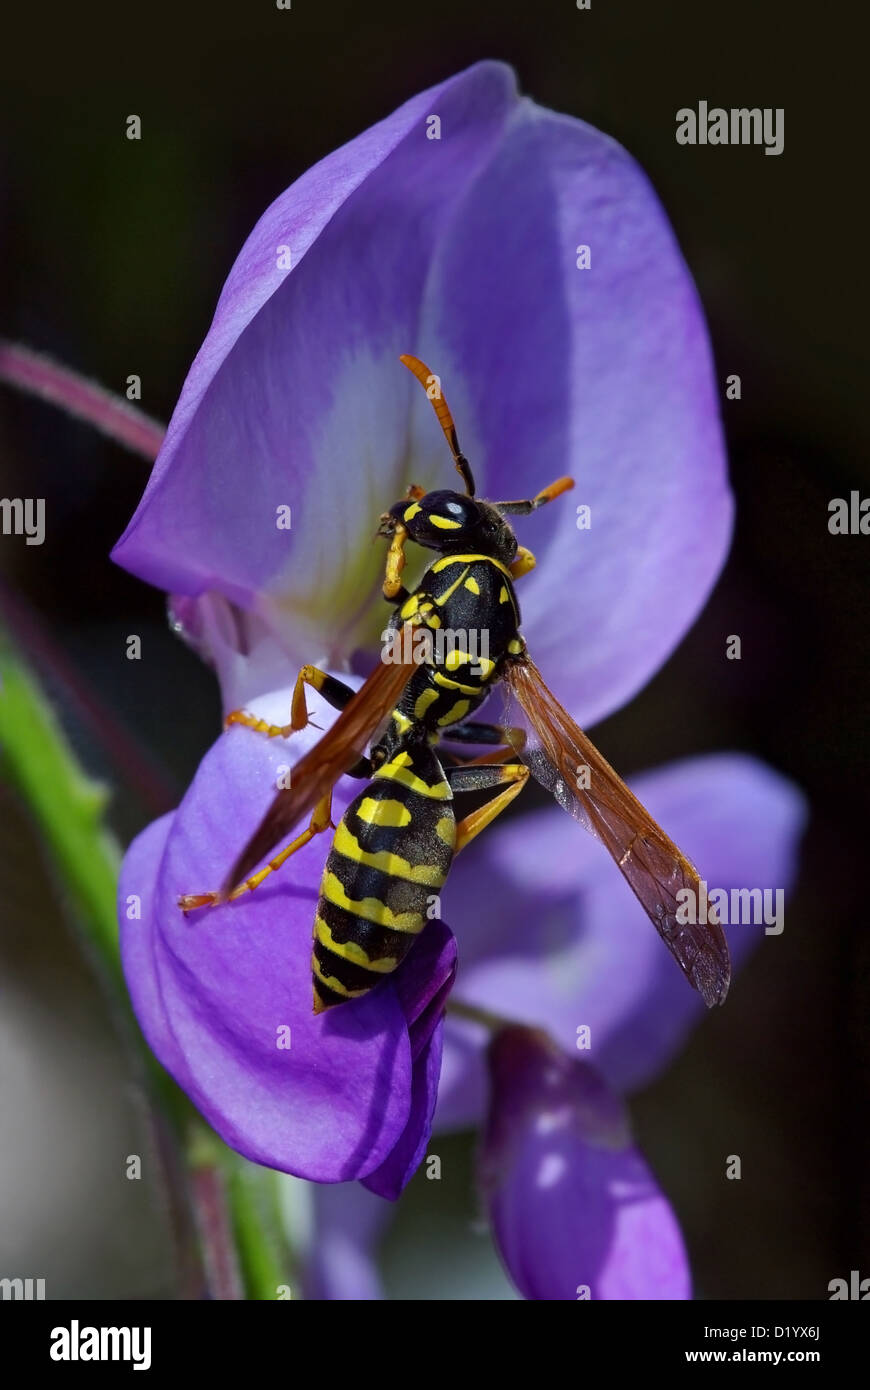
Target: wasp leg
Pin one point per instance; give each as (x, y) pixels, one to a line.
(510, 740)
(524, 562)
(393, 589)
(334, 692)
(321, 820)
(472, 731)
(511, 777)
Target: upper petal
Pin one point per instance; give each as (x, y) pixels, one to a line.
(464, 249)
(604, 373)
(296, 398)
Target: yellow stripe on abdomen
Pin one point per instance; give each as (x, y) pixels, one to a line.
(332, 983)
(350, 950)
(383, 812)
(394, 772)
(369, 908)
(393, 864)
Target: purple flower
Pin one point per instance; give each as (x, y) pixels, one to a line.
(462, 250)
(550, 936)
(575, 1211)
(295, 429)
(224, 999)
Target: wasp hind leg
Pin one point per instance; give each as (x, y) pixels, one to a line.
(321, 820)
(509, 778)
(334, 692)
(508, 740)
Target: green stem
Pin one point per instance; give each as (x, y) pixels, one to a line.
(66, 805)
(485, 1017)
(212, 1193)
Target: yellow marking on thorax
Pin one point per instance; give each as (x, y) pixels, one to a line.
(503, 595)
(370, 909)
(387, 812)
(442, 598)
(413, 608)
(455, 713)
(448, 684)
(445, 829)
(430, 619)
(515, 646)
(351, 950)
(472, 586)
(457, 657)
(411, 512)
(466, 559)
(422, 702)
(393, 864)
(401, 721)
(443, 523)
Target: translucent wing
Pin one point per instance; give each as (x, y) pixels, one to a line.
(322, 766)
(562, 759)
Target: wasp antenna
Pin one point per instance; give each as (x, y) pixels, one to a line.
(432, 386)
(531, 504)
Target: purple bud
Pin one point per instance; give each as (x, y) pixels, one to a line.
(575, 1211)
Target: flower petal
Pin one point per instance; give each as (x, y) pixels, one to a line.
(348, 1224)
(422, 987)
(214, 991)
(576, 1212)
(549, 933)
(453, 247)
(604, 373)
(296, 398)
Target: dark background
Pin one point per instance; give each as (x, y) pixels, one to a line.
(114, 253)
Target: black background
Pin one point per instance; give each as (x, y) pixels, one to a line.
(114, 253)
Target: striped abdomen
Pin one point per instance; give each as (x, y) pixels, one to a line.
(391, 854)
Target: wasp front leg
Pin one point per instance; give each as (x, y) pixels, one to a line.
(523, 562)
(334, 692)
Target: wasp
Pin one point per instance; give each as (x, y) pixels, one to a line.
(393, 848)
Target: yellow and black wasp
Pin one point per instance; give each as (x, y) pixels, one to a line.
(393, 848)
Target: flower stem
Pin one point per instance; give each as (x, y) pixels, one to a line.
(38, 375)
(485, 1017)
(211, 1192)
(209, 1189)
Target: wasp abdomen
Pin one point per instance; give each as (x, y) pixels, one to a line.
(390, 855)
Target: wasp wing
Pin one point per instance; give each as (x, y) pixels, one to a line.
(318, 771)
(562, 759)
